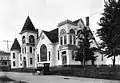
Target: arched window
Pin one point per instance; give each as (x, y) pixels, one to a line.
(61, 41)
(31, 39)
(43, 53)
(23, 39)
(72, 31)
(62, 31)
(70, 39)
(65, 40)
(74, 39)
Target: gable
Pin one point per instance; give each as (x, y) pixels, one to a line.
(79, 23)
(52, 35)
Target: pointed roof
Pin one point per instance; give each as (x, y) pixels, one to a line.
(52, 35)
(15, 45)
(28, 26)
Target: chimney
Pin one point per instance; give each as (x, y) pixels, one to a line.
(87, 21)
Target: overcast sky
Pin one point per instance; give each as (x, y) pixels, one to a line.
(45, 15)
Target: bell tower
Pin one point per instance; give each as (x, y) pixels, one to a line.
(29, 37)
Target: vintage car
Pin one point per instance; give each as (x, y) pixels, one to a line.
(42, 69)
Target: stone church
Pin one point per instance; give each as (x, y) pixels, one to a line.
(56, 47)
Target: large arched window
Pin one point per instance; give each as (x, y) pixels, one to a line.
(72, 31)
(31, 39)
(43, 52)
(62, 31)
(23, 39)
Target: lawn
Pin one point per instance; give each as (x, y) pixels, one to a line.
(99, 72)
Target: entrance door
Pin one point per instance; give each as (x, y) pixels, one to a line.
(24, 62)
(64, 60)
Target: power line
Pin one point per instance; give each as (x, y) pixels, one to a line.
(98, 12)
(7, 41)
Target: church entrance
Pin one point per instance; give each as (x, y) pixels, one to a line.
(24, 62)
(64, 58)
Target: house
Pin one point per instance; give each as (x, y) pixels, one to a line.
(56, 47)
(5, 58)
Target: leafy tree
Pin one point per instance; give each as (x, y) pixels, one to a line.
(109, 32)
(84, 51)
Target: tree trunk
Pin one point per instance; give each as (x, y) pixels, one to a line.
(83, 57)
(92, 62)
(114, 60)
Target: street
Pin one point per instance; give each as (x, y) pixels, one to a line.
(52, 78)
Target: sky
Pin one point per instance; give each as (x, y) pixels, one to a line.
(45, 15)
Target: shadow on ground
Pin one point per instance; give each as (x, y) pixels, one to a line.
(5, 79)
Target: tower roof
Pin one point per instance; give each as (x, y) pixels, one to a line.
(15, 45)
(28, 26)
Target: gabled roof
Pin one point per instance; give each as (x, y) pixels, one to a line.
(15, 45)
(76, 21)
(52, 35)
(28, 26)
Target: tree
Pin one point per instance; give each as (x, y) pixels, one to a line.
(84, 51)
(109, 32)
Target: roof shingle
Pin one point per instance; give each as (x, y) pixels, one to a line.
(28, 26)
(52, 35)
(15, 45)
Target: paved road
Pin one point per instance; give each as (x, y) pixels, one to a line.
(52, 78)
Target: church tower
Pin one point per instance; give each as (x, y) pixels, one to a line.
(29, 37)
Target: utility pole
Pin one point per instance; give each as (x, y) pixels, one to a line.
(7, 41)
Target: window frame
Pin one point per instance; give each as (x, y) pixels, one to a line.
(31, 39)
(70, 39)
(31, 50)
(61, 40)
(31, 61)
(58, 56)
(23, 40)
(65, 39)
(49, 55)
(13, 55)
(38, 59)
(14, 63)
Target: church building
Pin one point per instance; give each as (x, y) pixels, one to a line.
(56, 47)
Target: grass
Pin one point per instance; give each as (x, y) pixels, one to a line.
(101, 72)
(5, 79)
